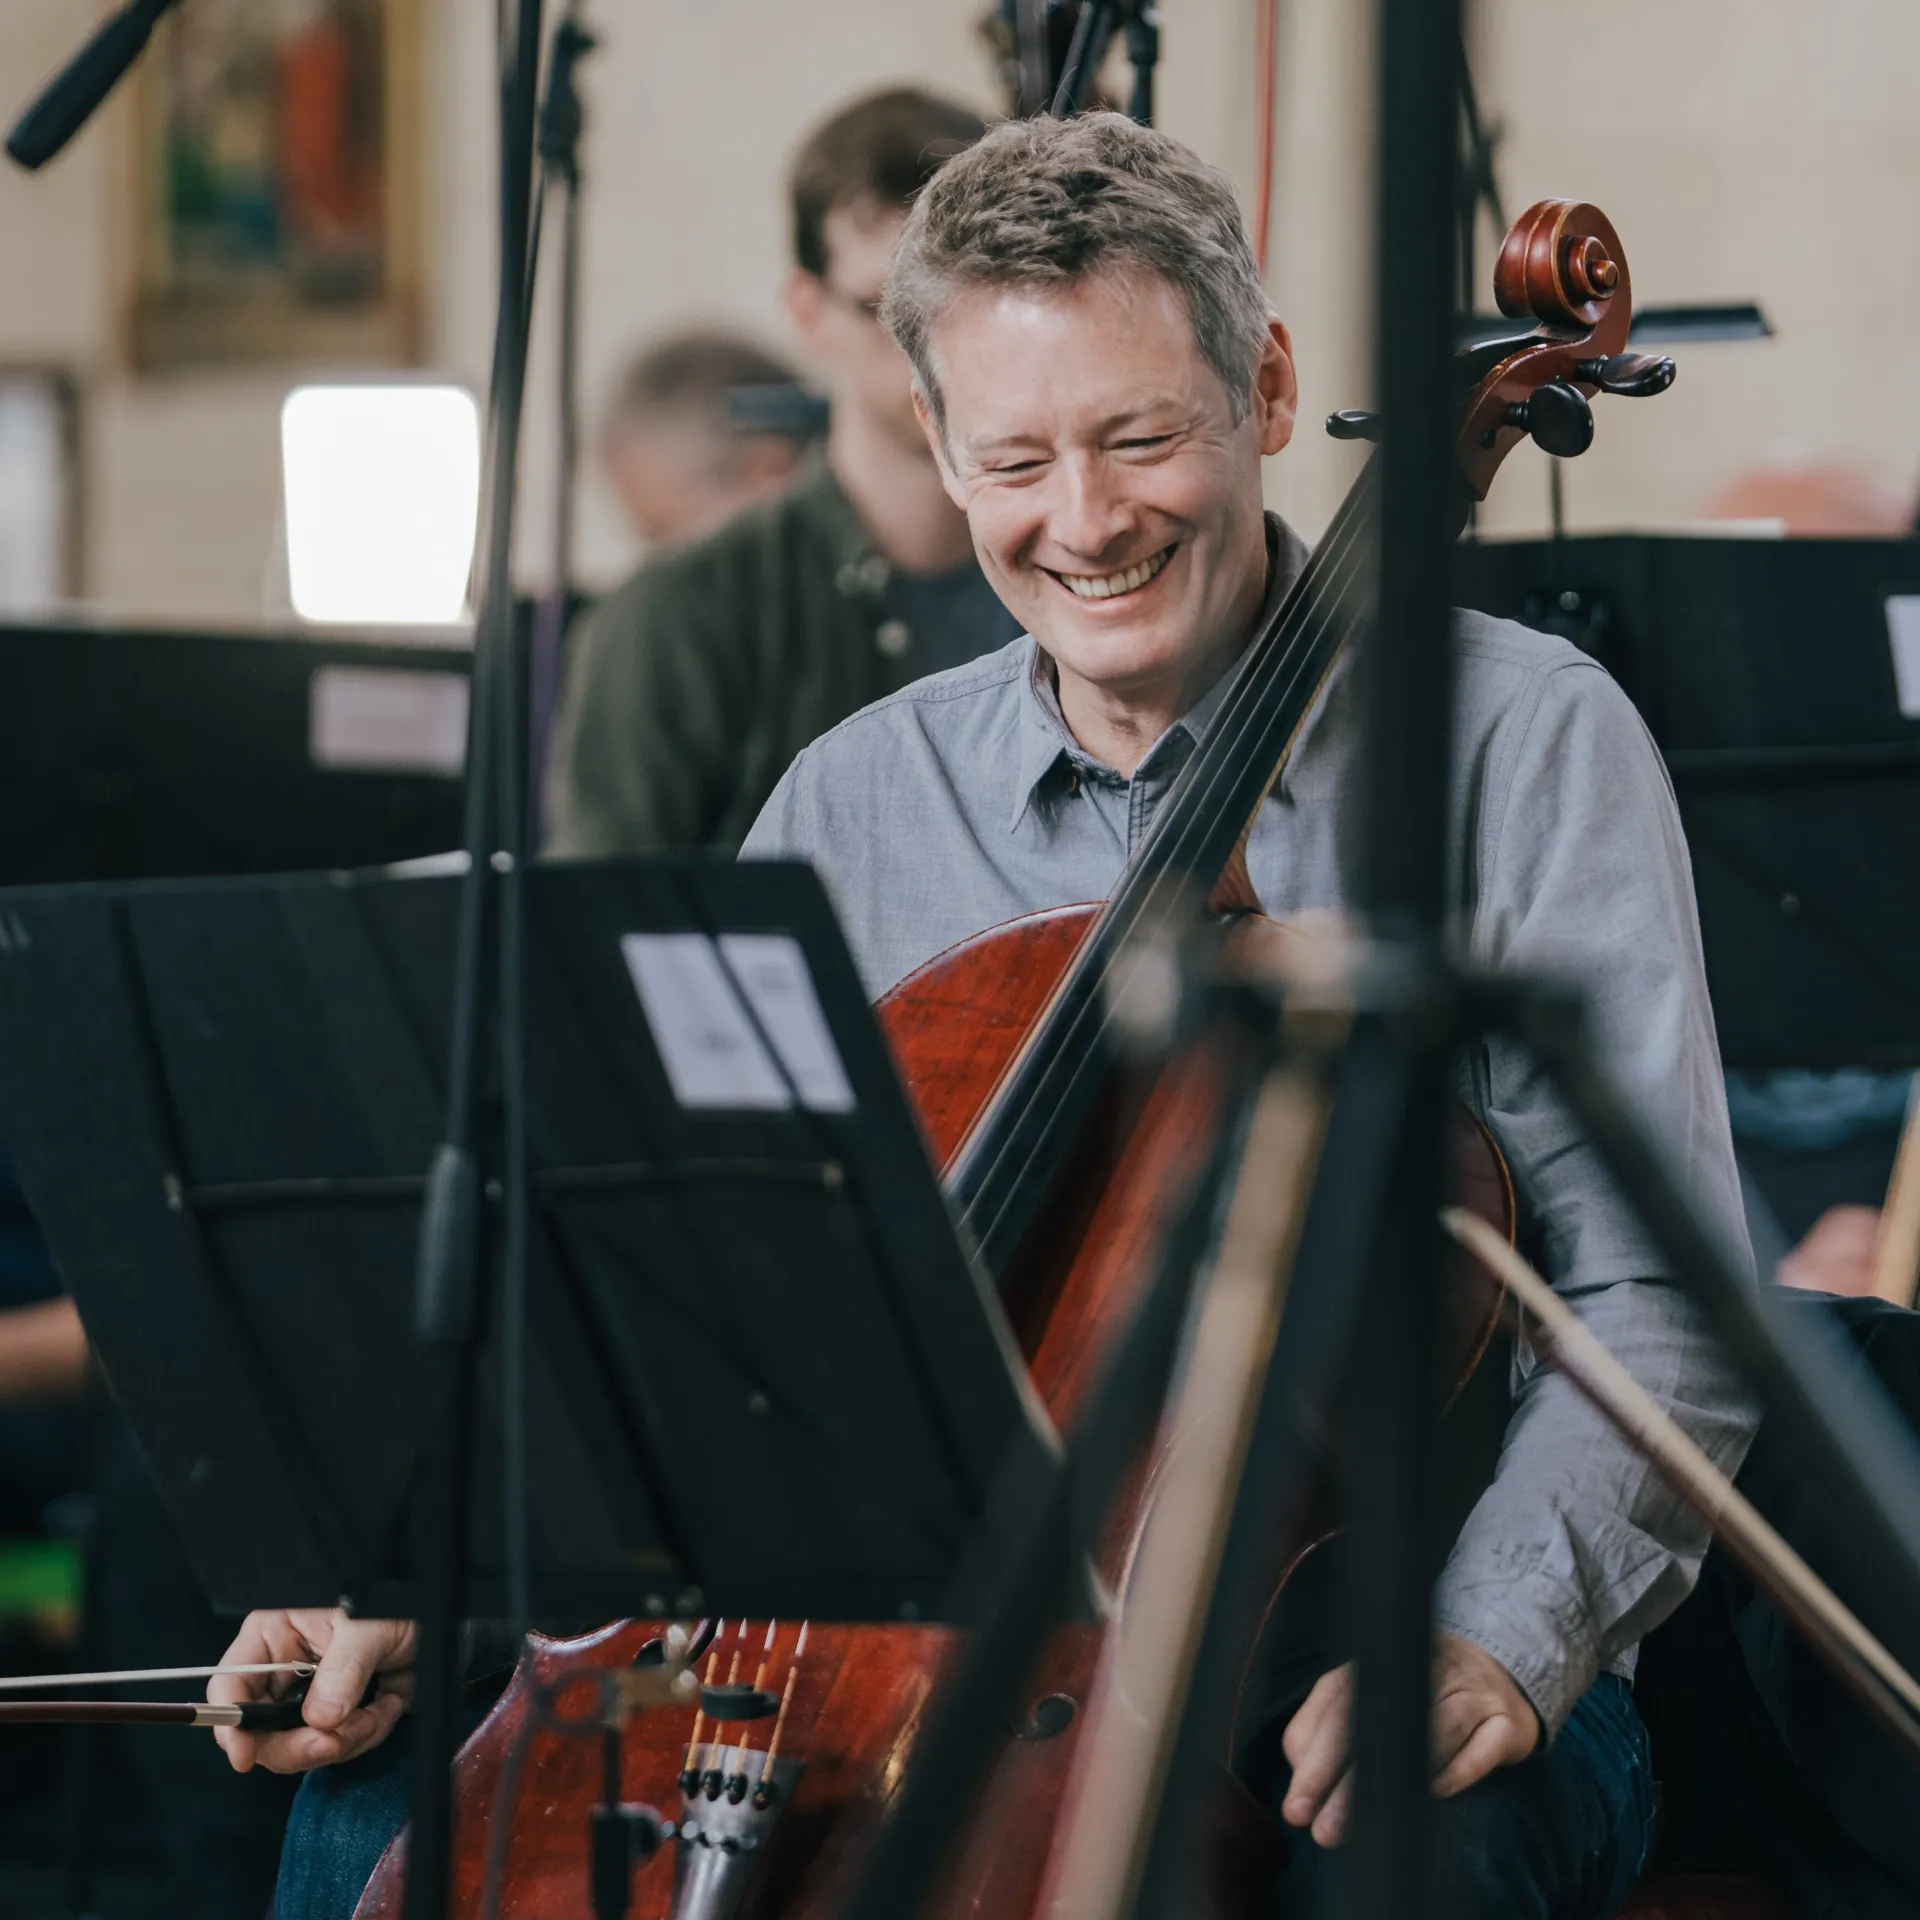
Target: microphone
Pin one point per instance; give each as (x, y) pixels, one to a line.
(67, 101)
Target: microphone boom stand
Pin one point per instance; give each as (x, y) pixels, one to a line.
(487, 1031)
(561, 118)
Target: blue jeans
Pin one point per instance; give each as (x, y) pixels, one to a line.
(1562, 1836)
(342, 1819)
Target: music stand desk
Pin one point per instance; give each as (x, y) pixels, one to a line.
(765, 1377)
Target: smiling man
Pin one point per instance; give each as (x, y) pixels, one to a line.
(1099, 379)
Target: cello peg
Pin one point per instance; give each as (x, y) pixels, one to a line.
(1558, 417)
(1352, 423)
(1633, 376)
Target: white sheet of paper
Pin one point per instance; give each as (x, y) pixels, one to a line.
(707, 1043)
(696, 1004)
(772, 971)
(1903, 636)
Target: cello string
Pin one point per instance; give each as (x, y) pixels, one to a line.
(766, 1660)
(700, 1712)
(733, 1677)
(786, 1700)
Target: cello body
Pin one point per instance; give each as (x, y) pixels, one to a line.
(859, 1693)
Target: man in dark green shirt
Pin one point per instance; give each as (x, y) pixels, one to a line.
(693, 685)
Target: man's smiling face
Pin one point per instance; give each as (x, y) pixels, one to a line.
(1114, 500)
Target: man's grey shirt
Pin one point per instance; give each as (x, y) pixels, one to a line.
(963, 801)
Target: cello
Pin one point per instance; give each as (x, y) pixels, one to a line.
(1063, 1165)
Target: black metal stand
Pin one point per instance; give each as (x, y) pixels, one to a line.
(1093, 31)
(561, 119)
(1407, 668)
(456, 1248)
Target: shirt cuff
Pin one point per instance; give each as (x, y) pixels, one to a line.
(1533, 1625)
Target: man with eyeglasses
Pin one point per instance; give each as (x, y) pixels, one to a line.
(693, 686)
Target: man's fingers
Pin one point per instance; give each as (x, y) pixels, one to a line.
(382, 1716)
(1330, 1825)
(348, 1665)
(263, 1639)
(1315, 1744)
(1456, 1718)
(349, 1655)
(302, 1749)
(1494, 1742)
(298, 1751)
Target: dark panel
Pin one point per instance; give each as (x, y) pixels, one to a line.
(1765, 672)
(151, 754)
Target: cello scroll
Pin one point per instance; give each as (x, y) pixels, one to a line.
(1562, 266)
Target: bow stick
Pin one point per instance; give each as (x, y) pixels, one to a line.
(1880, 1682)
(255, 1716)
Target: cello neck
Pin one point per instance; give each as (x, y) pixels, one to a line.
(1562, 267)
(1008, 1160)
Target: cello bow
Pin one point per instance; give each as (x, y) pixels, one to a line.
(254, 1716)
(1881, 1684)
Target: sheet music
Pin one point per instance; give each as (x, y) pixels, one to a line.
(771, 970)
(696, 997)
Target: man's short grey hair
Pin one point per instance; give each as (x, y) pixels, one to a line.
(1050, 203)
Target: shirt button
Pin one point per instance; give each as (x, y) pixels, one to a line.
(875, 573)
(893, 638)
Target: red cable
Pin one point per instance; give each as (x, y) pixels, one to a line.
(1266, 56)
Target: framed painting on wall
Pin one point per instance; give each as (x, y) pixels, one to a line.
(277, 186)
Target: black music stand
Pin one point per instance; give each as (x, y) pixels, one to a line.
(1781, 680)
(765, 1376)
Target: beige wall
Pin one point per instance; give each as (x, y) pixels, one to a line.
(1765, 149)
(1744, 147)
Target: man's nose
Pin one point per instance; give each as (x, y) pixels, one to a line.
(1091, 514)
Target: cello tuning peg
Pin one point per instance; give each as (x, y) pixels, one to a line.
(1634, 376)
(1558, 417)
(1353, 424)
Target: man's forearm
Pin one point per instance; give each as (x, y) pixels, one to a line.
(43, 1352)
(1578, 1548)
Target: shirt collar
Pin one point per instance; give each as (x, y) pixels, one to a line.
(1044, 737)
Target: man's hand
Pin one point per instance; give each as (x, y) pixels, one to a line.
(351, 1654)
(1481, 1721)
(1838, 1254)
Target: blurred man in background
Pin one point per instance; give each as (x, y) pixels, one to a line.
(696, 431)
(693, 685)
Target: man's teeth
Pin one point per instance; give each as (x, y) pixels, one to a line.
(1103, 586)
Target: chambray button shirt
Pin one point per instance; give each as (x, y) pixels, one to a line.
(963, 801)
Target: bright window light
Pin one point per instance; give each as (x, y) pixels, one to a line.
(382, 497)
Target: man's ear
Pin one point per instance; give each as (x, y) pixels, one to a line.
(937, 442)
(1276, 389)
(806, 299)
